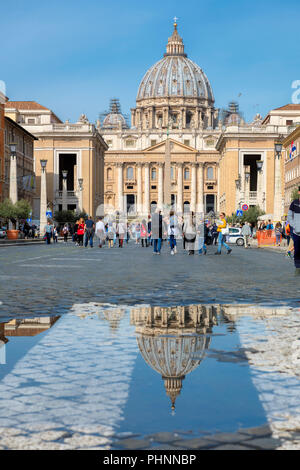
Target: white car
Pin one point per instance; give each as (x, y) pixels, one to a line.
(2, 232)
(235, 236)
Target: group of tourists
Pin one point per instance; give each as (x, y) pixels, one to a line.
(195, 232)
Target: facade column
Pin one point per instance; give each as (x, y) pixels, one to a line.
(179, 188)
(120, 187)
(218, 194)
(200, 192)
(146, 189)
(160, 201)
(139, 208)
(43, 201)
(193, 187)
(13, 186)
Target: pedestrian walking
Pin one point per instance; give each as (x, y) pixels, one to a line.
(173, 231)
(100, 232)
(144, 233)
(246, 232)
(55, 235)
(110, 235)
(294, 222)
(80, 232)
(278, 233)
(89, 231)
(48, 230)
(203, 237)
(121, 232)
(65, 233)
(190, 233)
(156, 229)
(222, 230)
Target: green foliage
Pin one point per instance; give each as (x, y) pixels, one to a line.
(251, 215)
(14, 212)
(63, 217)
(295, 194)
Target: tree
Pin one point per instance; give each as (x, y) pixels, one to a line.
(14, 212)
(252, 214)
(294, 194)
(63, 217)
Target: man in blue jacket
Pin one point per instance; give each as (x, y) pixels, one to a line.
(294, 221)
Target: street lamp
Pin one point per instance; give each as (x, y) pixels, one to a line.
(13, 149)
(43, 165)
(238, 183)
(278, 148)
(80, 183)
(259, 164)
(64, 192)
(247, 173)
(43, 200)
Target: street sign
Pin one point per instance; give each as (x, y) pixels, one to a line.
(49, 214)
(239, 213)
(29, 220)
(245, 207)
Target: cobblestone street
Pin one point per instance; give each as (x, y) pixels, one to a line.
(85, 383)
(41, 279)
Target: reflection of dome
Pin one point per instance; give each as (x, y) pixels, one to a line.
(175, 75)
(114, 316)
(173, 341)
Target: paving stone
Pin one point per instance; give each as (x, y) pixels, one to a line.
(228, 437)
(132, 444)
(264, 443)
(258, 431)
(196, 443)
(164, 437)
(232, 447)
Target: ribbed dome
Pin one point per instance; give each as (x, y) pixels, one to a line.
(175, 75)
(113, 121)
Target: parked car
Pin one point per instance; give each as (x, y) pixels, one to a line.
(235, 236)
(2, 232)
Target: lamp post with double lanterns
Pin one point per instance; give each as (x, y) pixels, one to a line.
(247, 184)
(260, 200)
(13, 186)
(64, 190)
(277, 181)
(43, 201)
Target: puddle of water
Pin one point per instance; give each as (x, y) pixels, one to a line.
(139, 370)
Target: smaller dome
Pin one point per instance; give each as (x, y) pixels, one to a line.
(114, 121)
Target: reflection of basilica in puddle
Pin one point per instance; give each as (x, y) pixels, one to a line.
(173, 340)
(23, 327)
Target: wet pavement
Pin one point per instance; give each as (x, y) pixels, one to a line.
(121, 349)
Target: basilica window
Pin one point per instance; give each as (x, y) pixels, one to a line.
(109, 173)
(130, 143)
(172, 173)
(210, 173)
(186, 174)
(153, 174)
(130, 173)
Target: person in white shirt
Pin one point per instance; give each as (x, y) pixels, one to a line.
(100, 231)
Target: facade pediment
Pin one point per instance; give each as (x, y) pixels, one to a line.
(176, 147)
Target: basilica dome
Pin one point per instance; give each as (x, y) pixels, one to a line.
(175, 76)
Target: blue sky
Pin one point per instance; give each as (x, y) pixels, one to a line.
(73, 56)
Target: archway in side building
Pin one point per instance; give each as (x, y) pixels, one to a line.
(186, 206)
(153, 206)
(130, 203)
(209, 203)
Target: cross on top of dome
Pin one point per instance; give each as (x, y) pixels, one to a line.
(175, 44)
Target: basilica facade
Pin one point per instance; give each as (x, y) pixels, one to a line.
(181, 151)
